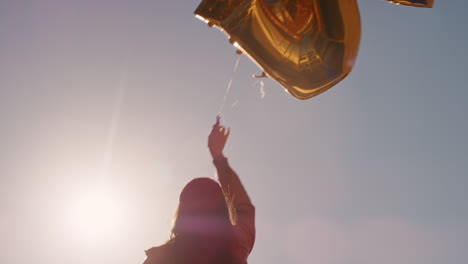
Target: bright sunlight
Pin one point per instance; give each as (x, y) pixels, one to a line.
(95, 215)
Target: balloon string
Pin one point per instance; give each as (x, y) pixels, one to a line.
(228, 87)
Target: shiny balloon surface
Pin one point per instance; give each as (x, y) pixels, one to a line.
(415, 3)
(307, 46)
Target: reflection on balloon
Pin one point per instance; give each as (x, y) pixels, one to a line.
(307, 46)
(416, 3)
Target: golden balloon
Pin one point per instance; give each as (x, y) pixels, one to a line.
(307, 46)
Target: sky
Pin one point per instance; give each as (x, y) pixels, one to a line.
(106, 105)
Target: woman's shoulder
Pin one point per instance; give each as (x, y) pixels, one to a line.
(158, 255)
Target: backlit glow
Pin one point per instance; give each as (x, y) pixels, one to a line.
(94, 215)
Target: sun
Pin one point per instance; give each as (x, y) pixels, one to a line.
(94, 215)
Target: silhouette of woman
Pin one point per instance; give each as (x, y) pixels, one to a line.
(214, 222)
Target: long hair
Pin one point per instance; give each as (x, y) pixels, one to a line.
(202, 223)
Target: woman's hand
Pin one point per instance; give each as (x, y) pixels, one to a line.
(217, 139)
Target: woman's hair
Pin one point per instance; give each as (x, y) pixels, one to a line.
(202, 223)
(203, 210)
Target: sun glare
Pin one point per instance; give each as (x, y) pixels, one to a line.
(95, 215)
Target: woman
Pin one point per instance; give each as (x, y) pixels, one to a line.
(214, 222)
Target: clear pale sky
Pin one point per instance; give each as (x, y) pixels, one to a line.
(105, 107)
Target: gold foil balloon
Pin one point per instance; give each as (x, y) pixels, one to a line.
(215, 11)
(307, 46)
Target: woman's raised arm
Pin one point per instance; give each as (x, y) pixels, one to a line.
(244, 219)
